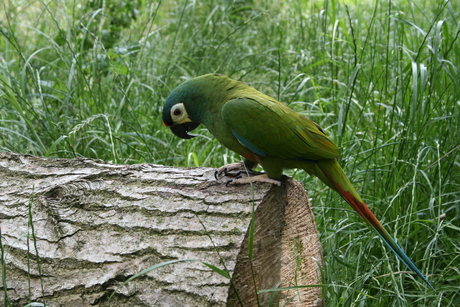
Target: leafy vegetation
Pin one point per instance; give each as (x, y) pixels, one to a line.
(89, 78)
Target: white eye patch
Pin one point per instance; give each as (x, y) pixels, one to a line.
(179, 114)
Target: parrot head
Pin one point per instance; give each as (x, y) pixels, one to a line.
(175, 115)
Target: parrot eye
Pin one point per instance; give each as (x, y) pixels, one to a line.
(179, 114)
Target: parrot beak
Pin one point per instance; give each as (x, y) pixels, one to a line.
(181, 130)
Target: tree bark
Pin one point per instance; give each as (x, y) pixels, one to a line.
(72, 231)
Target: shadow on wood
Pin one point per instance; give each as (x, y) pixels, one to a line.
(73, 230)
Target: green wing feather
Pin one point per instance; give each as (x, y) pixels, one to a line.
(276, 129)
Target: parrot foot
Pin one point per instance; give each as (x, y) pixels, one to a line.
(242, 175)
(234, 170)
(263, 178)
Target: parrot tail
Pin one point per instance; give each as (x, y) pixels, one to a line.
(330, 172)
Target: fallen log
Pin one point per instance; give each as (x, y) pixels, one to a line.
(74, 230)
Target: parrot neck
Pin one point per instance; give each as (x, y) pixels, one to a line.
(211, 92)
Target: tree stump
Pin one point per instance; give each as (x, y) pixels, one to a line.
(73, 230)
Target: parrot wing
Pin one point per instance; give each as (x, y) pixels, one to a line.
(269, 128)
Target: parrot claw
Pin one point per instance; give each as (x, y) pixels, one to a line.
(242, 175)
(235, 170)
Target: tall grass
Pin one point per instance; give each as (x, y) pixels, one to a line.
(89, 79)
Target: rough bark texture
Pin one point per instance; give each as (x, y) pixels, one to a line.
(286, 252)
(72, 231)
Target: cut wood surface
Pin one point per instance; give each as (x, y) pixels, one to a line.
(73, 230)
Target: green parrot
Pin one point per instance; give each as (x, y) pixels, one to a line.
(266, 132)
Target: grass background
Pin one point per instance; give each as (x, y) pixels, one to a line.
(89, 78)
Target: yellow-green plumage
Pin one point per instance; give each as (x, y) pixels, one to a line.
(266, 132)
